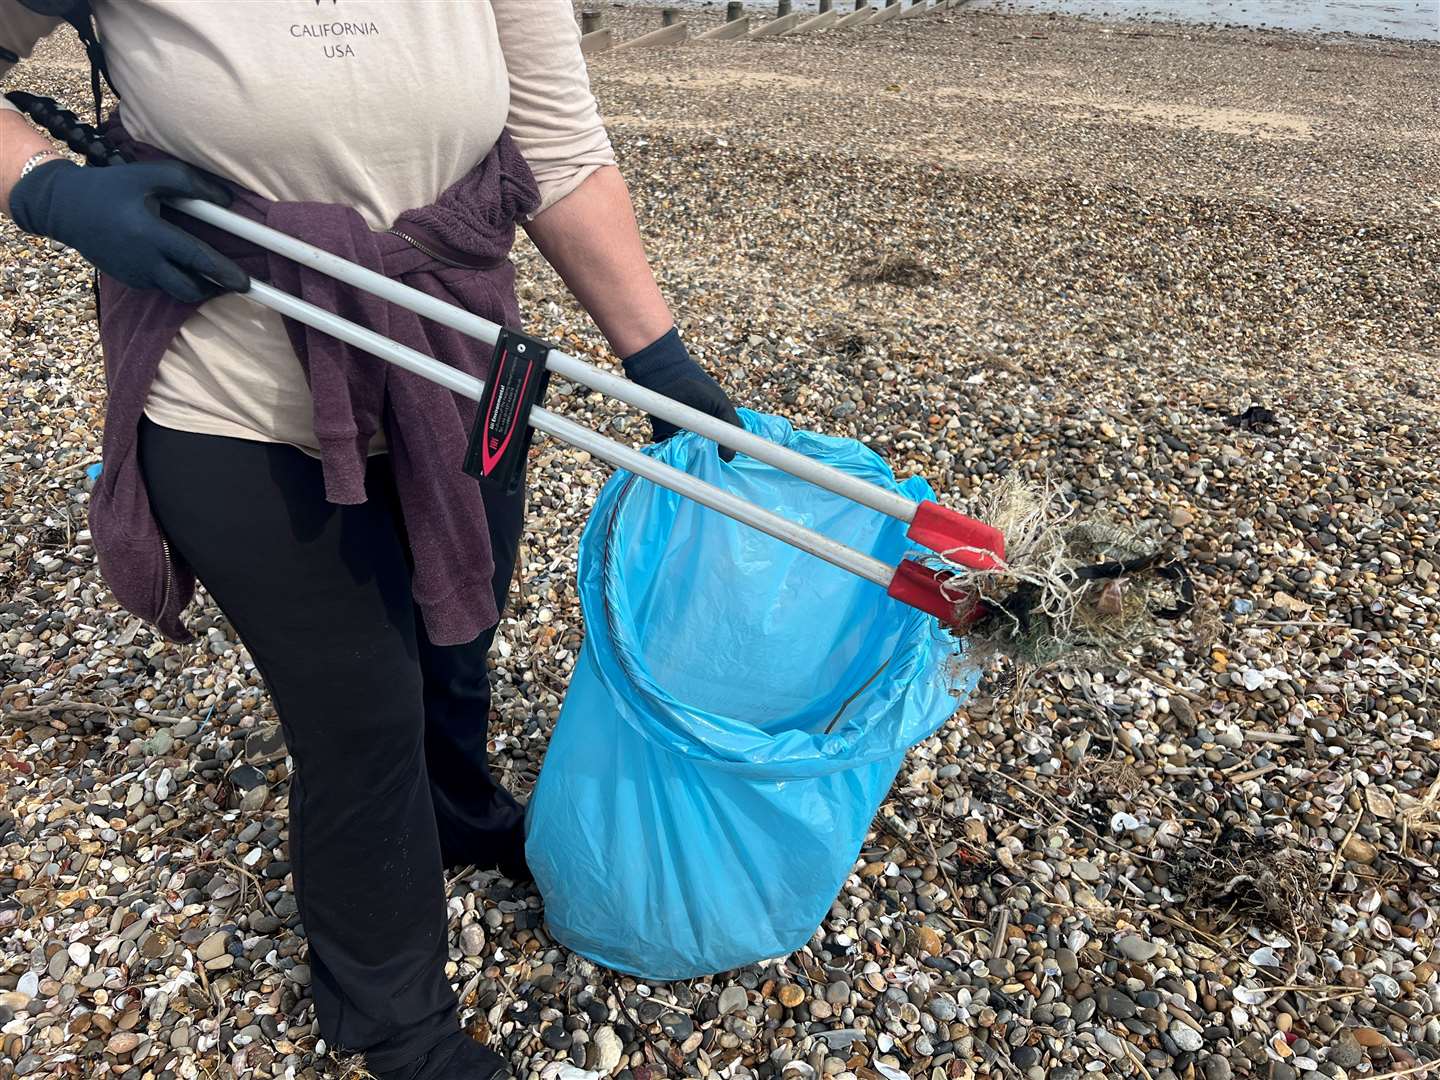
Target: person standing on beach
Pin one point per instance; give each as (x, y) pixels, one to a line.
(364, 576)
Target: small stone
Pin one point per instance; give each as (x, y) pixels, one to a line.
(1346, 1051)
(1358, 849)
(1180, 517)
(1114, 1003)
(1185, 1036)
(732, 1000)
(556, 1037)
(122, 1042)
(472, 940)
(930, 941)
(79, 954)
(791, 995)
(213, 946)
(1369, 1037)
(156, 946)
(250, 787)
(1384, 986)
(1136, 948)
(1112, 1044)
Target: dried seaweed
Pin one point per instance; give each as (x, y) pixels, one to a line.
(1260, 876)
(892, 269)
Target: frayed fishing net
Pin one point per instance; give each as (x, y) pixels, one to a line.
(1072, 590)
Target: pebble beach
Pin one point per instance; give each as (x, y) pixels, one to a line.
(1184, 274)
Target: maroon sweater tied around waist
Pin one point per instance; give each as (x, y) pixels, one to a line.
(472, 223)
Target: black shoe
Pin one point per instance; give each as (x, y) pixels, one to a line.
(458, 1057)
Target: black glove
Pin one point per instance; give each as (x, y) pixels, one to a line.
(111, 215)
(665, 366)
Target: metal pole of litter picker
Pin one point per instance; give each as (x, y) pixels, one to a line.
(625, 457)
(913, 582)
(576, 370)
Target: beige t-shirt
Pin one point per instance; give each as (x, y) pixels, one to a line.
(379, 104)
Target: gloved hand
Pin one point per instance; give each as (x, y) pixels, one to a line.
(111, 215)
(666, 367)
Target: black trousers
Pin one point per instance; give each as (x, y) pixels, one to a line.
(387, 731)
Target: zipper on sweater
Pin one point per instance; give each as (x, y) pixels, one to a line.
(169, 577)
(433, 254)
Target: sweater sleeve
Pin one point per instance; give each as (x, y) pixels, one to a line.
(553, 116)
(20, 29)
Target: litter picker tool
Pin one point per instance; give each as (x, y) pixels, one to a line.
(509, 402)
(509, 405)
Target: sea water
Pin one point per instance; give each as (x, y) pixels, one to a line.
(1410, 19)
(1417, 20)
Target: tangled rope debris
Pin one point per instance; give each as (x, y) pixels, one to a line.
(1071, 591)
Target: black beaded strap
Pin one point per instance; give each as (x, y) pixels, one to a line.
(78, 14)
(64, 125)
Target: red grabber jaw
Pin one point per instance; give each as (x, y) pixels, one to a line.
(923, 587)
(960, 539)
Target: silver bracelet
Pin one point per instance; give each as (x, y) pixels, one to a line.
(36, 159)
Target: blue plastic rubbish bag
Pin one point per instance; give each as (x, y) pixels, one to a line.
(692, 816)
